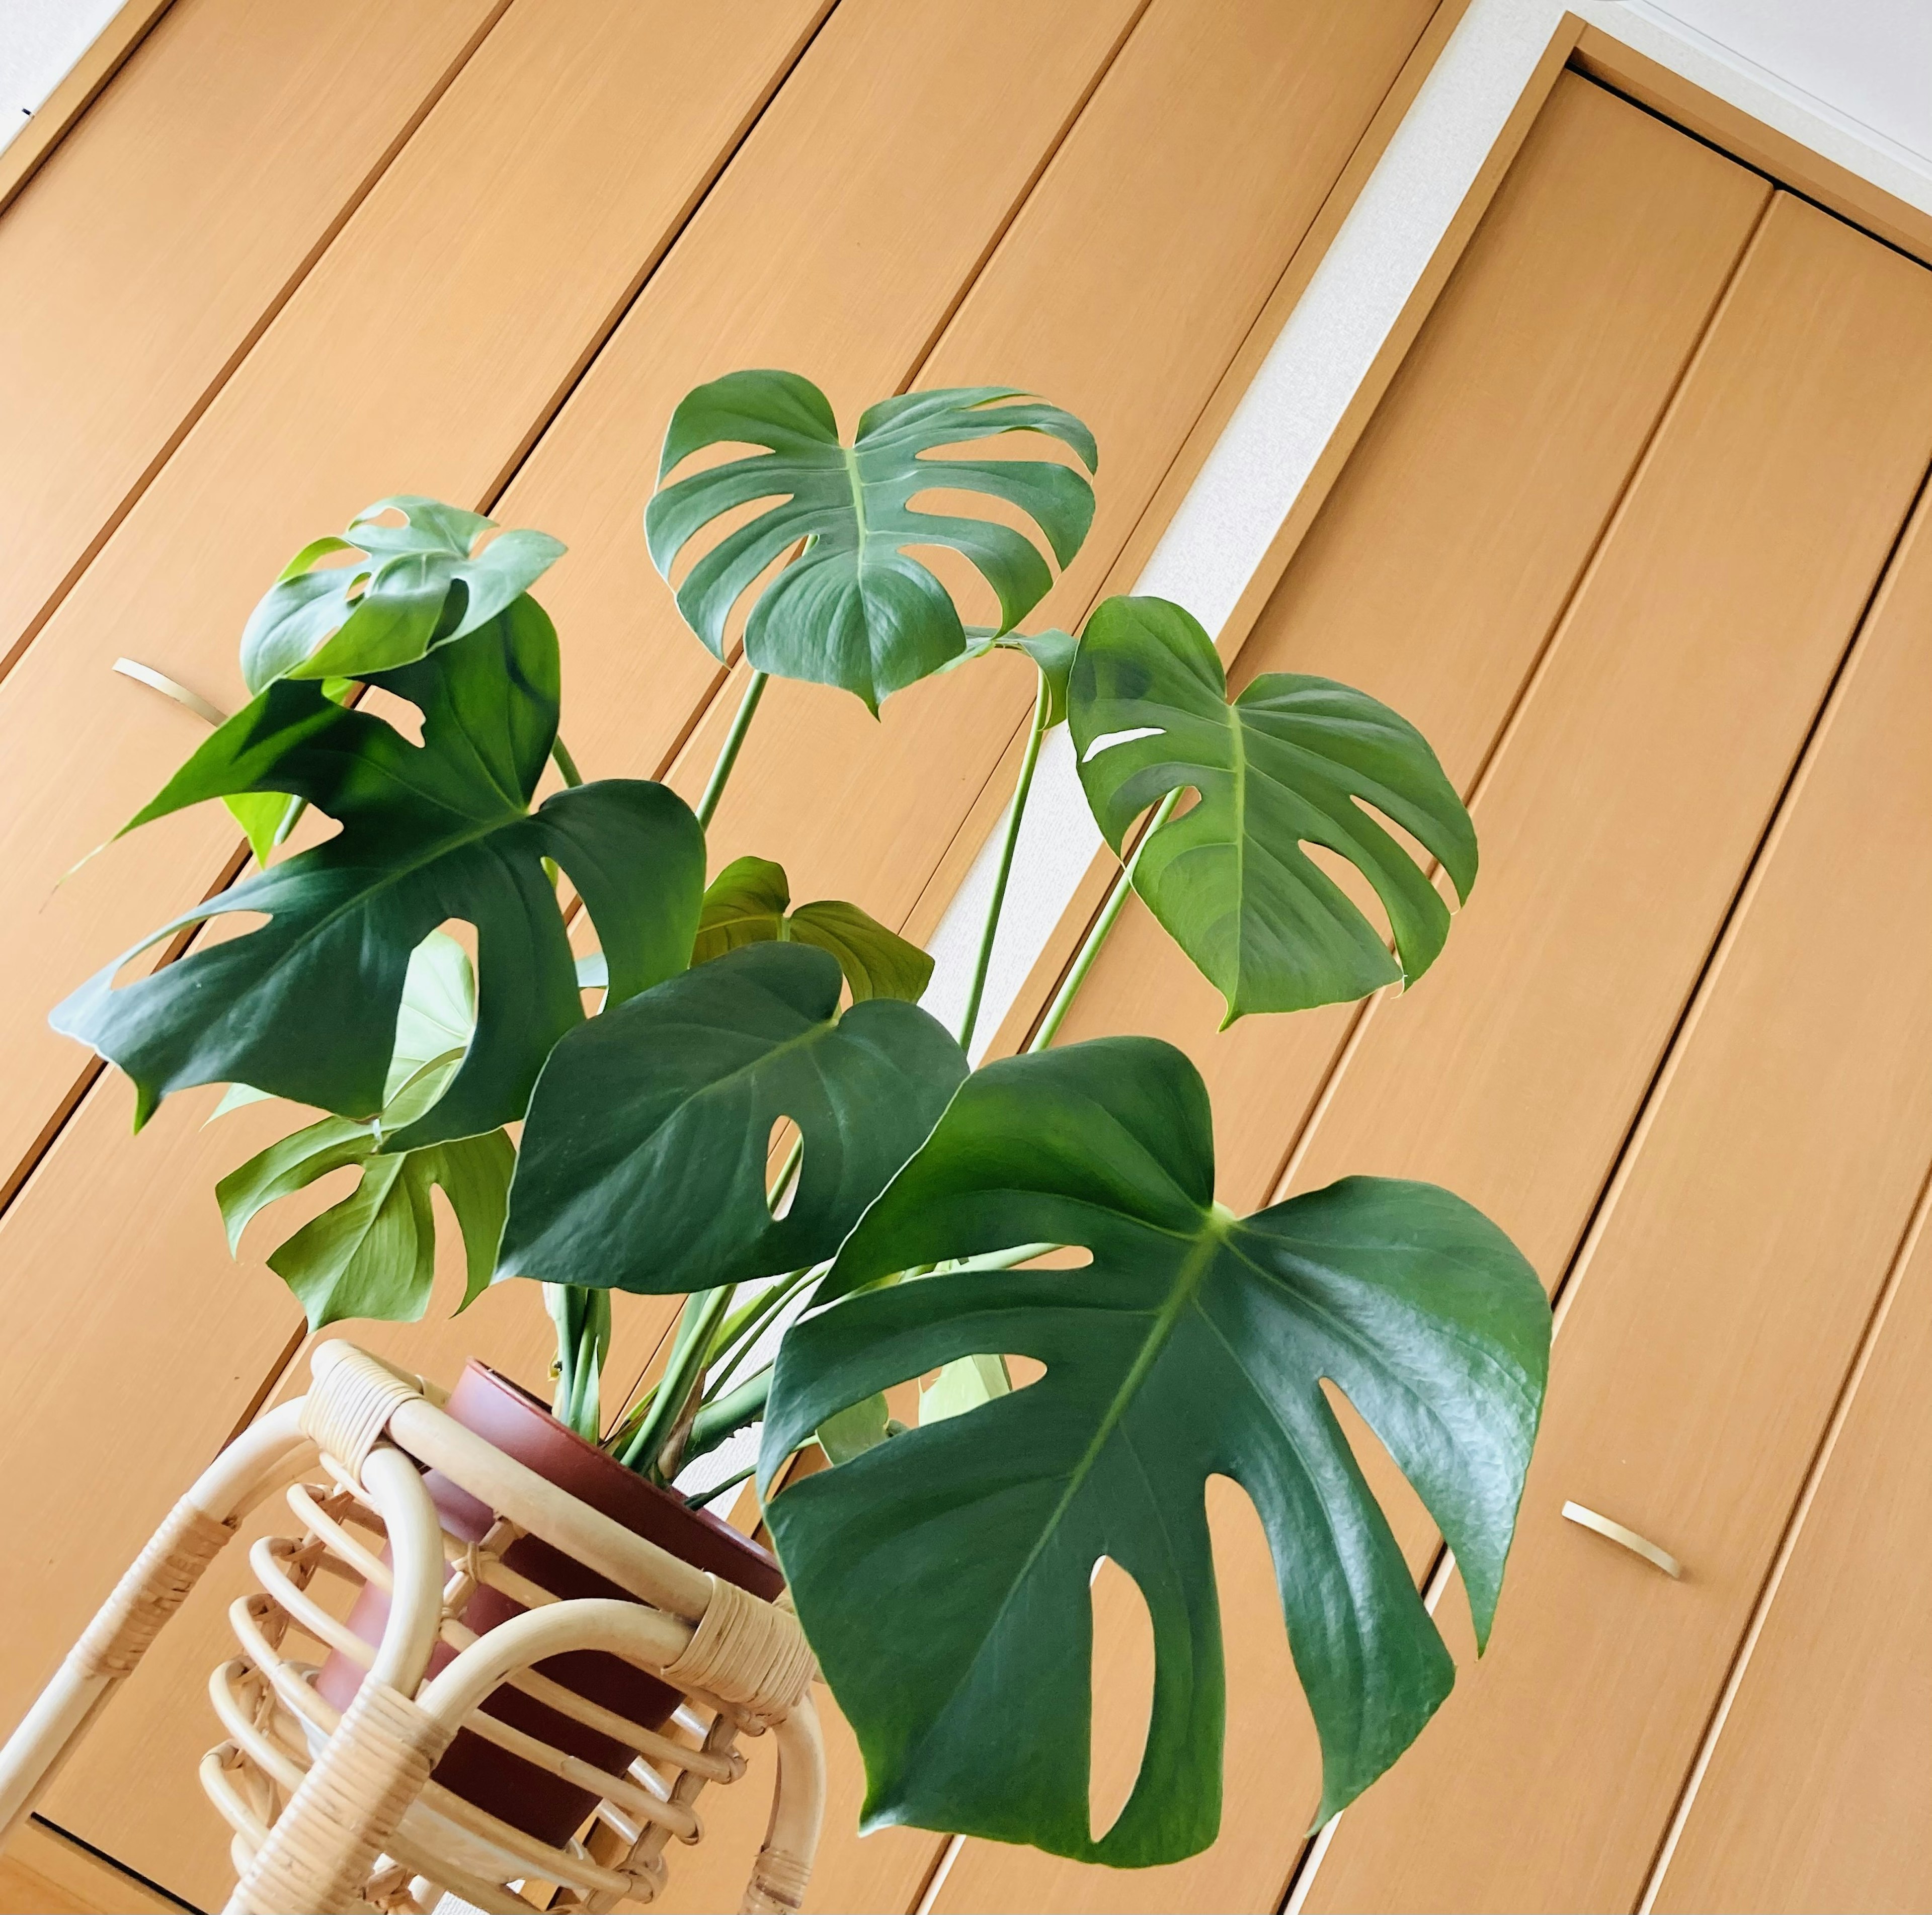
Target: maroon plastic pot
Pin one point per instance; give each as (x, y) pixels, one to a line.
(527, 1797)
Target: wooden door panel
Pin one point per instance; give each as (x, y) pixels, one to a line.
(1445, 556)
(417, 357)
(147, 252)
(1705, 1337)
(1815, 1796)
(1122, 292)
(1433, 578)
(217, 1332)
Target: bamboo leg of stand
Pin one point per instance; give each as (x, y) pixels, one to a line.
(154, 1588)
(324, 1844)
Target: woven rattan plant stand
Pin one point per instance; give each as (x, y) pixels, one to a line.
(338, 1812)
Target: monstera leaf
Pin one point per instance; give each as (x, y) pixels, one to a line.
(407, 586)
(1293, 760)
(644, 1162)
(305, 1007)
(1195, 1343)
(749, 902)
(854, 609)
(372, 1254)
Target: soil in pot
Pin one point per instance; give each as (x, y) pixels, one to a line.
(527, 1797)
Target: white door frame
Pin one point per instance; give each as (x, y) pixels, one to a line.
(1230, 535)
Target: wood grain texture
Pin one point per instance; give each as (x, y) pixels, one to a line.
(1706, 1334)
(146, 251)
(1125, 287)
(43, 1873)
(1814, 1794)
(820, 199)
(57, 115)
(1433, 579)
(418, 356)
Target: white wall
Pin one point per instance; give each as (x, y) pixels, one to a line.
(40, 40)
(1869, 60)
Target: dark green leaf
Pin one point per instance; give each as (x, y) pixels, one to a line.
(408, 587)
(1294, 760)
(749, 902)
(644, 1159)
(854, 608)
(305, 1007)
(1195, 1344)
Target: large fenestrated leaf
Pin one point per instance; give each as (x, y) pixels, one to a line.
(1293, 760)
(372, 1253)
(644, 1160)
(943, 1577)
(305, 1006)
(401, 588)
(749, 902)
(855, 609)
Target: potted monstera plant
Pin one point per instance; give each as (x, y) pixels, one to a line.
(739, 1100)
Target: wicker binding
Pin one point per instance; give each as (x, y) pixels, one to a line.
(335, 1812)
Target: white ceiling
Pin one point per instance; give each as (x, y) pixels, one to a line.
(1870, 60)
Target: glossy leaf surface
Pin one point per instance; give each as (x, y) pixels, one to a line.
(305, 1006)
(1194, 1344)
(644, 1160)
(409, 574)
(855, 608)
(1294, 760)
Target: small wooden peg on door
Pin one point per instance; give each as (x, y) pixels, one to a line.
(210, 714)
(1637, 1545)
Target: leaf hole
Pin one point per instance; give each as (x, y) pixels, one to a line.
(1123, 1685)
(783, 1174)
(398, 713)
(1107, 740)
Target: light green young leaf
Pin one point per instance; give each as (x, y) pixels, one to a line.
(1293, 760)
(855, 1430)
(406, 588)
(961, 1385)
(372, 1254)
(854, 608)
(1195, 1344)
(749, 902)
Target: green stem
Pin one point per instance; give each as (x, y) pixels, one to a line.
(582, 1320)
(717, 1490)
(727, 754)
(736, 1410)
(697, 1323)
(566, 763)
(997, 903)
(741, 1329)
(1109, 915)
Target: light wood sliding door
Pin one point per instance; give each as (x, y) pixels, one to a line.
(278, 271)
(1609, 540)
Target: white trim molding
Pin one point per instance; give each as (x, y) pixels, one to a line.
(1303, 397)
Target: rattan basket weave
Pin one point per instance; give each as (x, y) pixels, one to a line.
(338, 1812)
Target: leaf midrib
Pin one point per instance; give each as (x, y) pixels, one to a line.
(1188, 1281)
